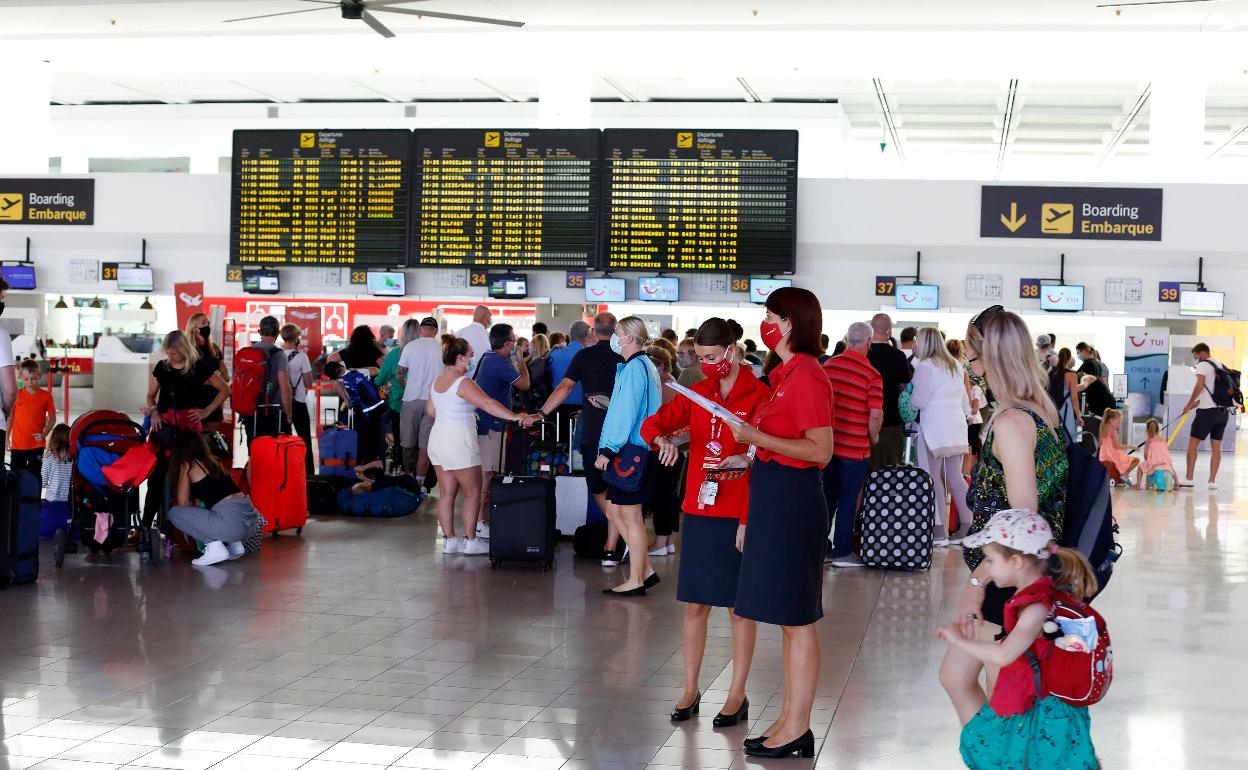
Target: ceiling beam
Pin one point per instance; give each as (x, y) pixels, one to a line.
(1230, 142)
(1007, 122)
(750, 94)
(886, 114)
(624, 93)
(265, 94)
(501, 93)
(1140, 103)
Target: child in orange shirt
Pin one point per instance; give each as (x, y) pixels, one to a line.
(34, 414)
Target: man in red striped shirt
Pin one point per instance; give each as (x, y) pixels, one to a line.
(858, 412)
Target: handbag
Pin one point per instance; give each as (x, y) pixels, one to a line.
(627, 469)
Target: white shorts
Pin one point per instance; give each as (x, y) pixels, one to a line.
(490, 445)
(453, 445)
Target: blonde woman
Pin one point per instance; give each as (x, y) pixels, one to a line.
(1022, 465)
(940, 395)
(635, 397)
(199, 334)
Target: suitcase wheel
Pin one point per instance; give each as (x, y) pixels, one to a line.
(493, 563)
(58, 548)
(298, 530)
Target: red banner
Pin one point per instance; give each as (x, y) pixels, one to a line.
(190, 299)
(308, 319)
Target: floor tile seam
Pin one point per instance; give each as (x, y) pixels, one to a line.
(840, 696)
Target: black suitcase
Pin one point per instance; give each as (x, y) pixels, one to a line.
(522, 519)
(898, 514)
(19, 528)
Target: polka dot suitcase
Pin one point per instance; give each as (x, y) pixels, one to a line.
(898, 514)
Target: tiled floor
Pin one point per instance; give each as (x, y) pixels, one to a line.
(360, 646)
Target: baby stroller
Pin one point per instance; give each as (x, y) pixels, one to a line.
(97, 440)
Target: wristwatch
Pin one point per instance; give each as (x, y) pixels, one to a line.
(976, 582)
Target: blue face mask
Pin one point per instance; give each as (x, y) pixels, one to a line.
(615, 345)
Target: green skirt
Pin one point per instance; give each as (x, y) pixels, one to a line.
(1053, 735)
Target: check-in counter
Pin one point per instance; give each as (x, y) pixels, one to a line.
(123, 363)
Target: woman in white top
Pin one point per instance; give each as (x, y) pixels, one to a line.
(940, 395)
(453, 447)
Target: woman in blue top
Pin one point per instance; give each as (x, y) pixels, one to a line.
(635, 397)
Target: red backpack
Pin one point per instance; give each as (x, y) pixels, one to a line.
(1073, 660)
(250, 387)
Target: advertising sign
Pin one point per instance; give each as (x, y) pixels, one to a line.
(1147, 358)
(190, 300)
(308, 319)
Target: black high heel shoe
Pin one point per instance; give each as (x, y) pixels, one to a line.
(731, 720)
(751, 743)
(685, 714)
(804, 747)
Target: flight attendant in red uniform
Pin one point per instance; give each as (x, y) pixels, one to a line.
(715, 510)
(782, 563)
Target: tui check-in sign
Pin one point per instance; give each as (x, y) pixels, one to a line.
(1081, 213)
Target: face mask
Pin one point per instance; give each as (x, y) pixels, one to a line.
(615, 345)
(205, 331)
(391, 342)
(718, 370)
(771, 334)
(684, 360)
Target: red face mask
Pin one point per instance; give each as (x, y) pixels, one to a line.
(771, 334)
(718, 370)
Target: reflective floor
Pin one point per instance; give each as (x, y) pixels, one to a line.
(359, 645)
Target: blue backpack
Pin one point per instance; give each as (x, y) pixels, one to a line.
(1090, 527)
(362, 393)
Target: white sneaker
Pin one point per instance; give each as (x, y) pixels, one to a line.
(848, 561)
(1186, 484)
(236, 549)
(942, 542)
(483, 530)
(214, 553)
(660, 551)
(1213, 485)
(671, 548)
(453, 545)
(476, 547)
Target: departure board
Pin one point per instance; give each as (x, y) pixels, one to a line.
(506, 198)
(699, 200)
(320, 198)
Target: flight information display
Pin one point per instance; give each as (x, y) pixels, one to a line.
(320, 198)
(699, 200)
(506, 198)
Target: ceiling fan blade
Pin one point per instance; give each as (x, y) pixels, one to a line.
(322, 2)
(378, 27)
(378, 3)
(453, 16)
(1152, 2)
(284, 13)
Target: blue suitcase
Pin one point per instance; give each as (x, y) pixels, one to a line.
(19, 528)
(340, 451)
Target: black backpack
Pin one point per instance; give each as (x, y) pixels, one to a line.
(1089, 526)
(1225, 391)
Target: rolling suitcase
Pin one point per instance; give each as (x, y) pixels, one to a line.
(19, 528)
(898, 514)
(340, 449)
(279, 482)
(522, 518)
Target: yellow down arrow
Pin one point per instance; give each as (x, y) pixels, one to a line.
(1014, 221)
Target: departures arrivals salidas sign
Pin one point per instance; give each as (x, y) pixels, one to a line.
(1079, 213)
(47, 201)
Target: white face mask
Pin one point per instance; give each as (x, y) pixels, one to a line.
(616, 346)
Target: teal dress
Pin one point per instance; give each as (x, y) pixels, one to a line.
(1052, 734)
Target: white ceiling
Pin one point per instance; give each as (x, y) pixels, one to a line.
(1053, 78)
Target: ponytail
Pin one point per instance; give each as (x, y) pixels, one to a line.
(1072, 572)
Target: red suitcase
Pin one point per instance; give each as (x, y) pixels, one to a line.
(279, 482)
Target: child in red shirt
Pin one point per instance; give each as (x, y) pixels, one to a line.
(34, 414)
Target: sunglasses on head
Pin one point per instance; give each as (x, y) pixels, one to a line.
(979, 320)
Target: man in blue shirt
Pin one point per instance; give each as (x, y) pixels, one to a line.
(497, 372)
(579, 335)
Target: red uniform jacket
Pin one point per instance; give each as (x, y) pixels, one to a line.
(710, 440)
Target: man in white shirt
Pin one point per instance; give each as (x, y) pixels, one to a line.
(8, 377)
(1210, 419)
(477, 334)
(420, 362)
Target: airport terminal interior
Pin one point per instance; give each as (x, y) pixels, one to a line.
(379, 164)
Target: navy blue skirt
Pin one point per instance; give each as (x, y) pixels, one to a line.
(785, 538)
(710, 563)
(642, 494)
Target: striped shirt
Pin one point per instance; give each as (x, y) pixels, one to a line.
(857, 388)
(56, 478)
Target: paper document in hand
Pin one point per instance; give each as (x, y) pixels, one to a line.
(716, 409)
